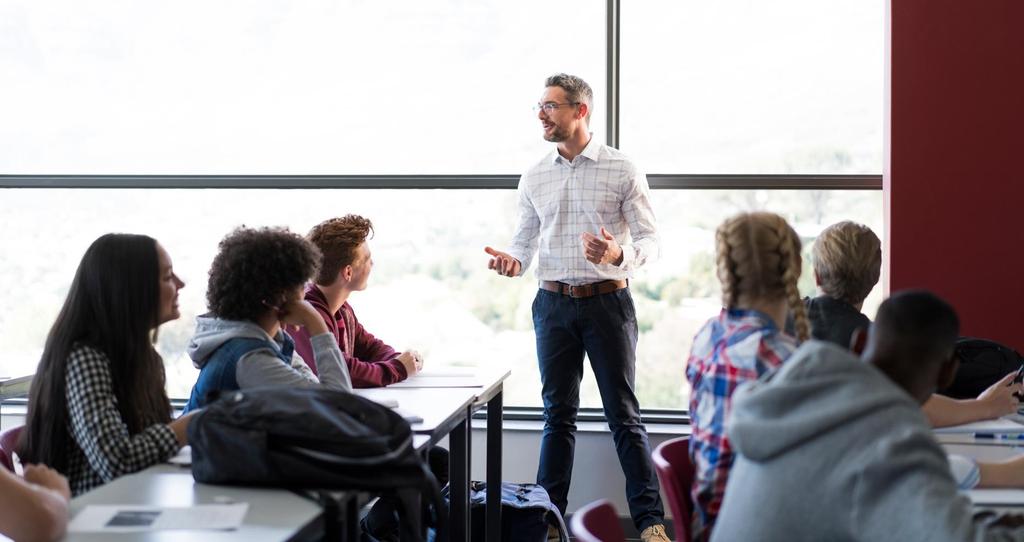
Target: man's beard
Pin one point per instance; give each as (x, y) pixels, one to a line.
(557, 135)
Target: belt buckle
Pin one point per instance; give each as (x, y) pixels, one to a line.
(574, 289)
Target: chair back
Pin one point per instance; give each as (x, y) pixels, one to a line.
(8, 441)
(675, 472)
(597, 522)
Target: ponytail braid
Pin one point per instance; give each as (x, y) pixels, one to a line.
(758, 257)
(790, 262)
(726, 266)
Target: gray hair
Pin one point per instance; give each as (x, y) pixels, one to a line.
(576, 89)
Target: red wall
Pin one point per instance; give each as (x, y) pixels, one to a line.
(954, 172)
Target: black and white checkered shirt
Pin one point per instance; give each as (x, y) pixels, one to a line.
(103, 449)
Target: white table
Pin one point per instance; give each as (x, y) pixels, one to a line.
(274, 514)
(14, 387)
(434, 403)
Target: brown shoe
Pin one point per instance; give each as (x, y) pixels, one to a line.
(654, 533)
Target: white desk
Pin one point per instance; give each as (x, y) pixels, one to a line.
(274, 514)
(279, 514)
(434, 403)
(983, 449)
(14, 387)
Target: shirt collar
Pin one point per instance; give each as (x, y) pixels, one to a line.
(750, 317)
(591, 152)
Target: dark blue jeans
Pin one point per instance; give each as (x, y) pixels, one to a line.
(604, 327)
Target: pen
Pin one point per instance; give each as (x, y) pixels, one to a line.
(1000, 436)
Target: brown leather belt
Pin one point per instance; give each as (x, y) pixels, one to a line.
(584, 290)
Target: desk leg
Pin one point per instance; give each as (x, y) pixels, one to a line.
(458, 465)
(352, 517)
(494, 409)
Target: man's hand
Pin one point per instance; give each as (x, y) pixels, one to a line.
(44, 476)
(1002, 398)
(412, 361)
(503, 263)
(601, 250)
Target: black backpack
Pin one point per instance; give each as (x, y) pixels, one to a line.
(982, 363)
(307, 439)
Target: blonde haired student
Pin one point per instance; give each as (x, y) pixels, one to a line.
(847, 264)
(758, 263)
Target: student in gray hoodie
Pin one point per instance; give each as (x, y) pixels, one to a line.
(832, 447)
(256, 284)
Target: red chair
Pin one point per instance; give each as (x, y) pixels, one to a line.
(675, 472)
(8, 441)
(597, 522)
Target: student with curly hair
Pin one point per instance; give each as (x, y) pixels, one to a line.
(255, 288)
(345, 268)
(98, 409)
(758, 264)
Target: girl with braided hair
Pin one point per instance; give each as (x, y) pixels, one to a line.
(758, 263)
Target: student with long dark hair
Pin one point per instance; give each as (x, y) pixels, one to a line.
(98, 408)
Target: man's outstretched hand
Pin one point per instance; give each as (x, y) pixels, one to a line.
(503, 263)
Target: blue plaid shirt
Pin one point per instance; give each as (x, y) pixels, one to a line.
(735, 347)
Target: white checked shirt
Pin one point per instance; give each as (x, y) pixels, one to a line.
(103, 449)
(560, 199)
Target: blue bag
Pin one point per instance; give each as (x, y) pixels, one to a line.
(526, 512)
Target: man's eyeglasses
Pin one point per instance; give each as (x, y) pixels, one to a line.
(550, 107)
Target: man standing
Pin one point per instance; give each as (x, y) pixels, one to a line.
(587, 209)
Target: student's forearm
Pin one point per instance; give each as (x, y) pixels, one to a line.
(330, 362)
(1003, 474)
(943, 411)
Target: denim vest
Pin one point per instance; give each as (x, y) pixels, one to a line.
(218, 374)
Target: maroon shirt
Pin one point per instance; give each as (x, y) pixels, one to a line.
(371, 363)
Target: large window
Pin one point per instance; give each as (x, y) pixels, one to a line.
(276, 87)
(742, 86)
(419, 89)
(430, 288)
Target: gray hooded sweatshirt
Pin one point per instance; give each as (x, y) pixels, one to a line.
(829, 448)
(262, 367)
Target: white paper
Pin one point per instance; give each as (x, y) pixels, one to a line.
(419, 381)
(433, 372)
(998, 426)
(133, 519)
(996, 497)
(183, 458)
(369, 393)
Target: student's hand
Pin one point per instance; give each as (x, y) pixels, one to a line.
(503, 263)
(1000, 399)
(44, 476)
(180, 427)
(601, 250)
(300, 312)
(412, 361)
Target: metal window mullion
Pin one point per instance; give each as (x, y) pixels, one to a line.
(446, 182)
(612, 43)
